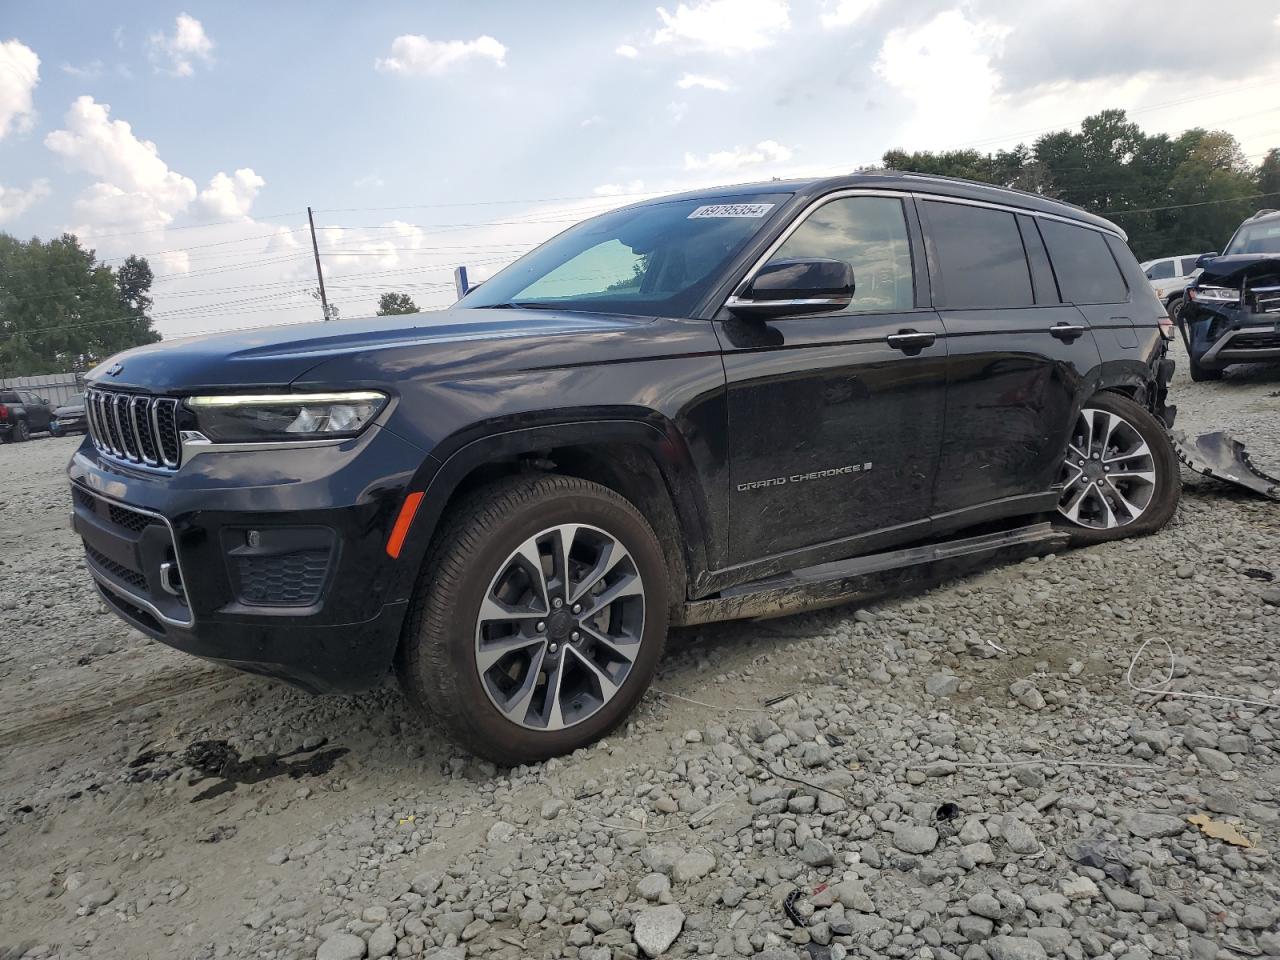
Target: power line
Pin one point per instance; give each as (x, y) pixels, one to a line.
(1180, 206)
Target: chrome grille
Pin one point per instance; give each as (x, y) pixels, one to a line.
(134, 427)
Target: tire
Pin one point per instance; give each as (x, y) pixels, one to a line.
(20, 433)
(483, 551)
(1201, 374)
(1129, 485)
(1174, 308)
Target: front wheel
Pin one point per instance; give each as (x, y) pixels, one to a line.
(1120, 475)
(539, 618)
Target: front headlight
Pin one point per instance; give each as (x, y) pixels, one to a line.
(257, 418)
(1217, 294)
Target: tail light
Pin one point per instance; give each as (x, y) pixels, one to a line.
(1166, 327)
(4, 412)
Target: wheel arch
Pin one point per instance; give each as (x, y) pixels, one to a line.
(643, 460)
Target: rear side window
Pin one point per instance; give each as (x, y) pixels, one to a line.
(1087, 273)
(981, 262)
(869, 234)
(1188, 266)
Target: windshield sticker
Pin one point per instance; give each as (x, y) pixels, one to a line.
(753, 210)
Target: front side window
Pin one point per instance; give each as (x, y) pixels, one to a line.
(1256, 238)
(981, 260)
(656, 259)
(869, 234)
(1086, 270)
(1161, 270)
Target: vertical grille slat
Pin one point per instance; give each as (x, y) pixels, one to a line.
(137, 428)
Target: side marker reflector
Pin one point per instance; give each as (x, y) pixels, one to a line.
(407, 511)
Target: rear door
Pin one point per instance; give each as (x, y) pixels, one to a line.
(1089, 277)
(835, 419)
(1017, 357)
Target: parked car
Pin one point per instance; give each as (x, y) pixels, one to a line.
(727, 403)
(22, 413)
(1232, 313)
(70, 417)
(1169, 278)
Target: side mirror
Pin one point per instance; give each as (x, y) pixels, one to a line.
(1204, 258)
(788, 287)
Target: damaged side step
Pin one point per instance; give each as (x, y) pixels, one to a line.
(867, 577)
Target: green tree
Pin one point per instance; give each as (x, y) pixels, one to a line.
(62, 310)
(394, 304)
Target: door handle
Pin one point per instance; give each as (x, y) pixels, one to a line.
(1066, 332)
(910, 341)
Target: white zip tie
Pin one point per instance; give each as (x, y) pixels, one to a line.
(1164, 691)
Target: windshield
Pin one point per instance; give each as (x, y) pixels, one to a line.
(1257, 238)
(658, 259)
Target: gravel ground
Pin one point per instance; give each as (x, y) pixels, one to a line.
(963, 773)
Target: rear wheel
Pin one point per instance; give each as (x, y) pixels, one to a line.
(20, 432)
(1120, 476)
(539, 619)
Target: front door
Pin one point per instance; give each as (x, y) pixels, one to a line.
(1018, 356)
(835, 420)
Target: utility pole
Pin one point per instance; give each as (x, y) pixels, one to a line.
(315, 248)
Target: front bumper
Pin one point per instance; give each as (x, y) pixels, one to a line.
(269, 562)
(61, 425)
(1220, 335)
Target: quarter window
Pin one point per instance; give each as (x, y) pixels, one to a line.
(981, 261)
(1087, 272)
(869, 234)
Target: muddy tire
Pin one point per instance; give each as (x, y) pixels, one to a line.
(539, 618)
(20, 432)
(1120, 477)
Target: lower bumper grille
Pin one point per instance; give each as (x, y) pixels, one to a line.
(1255, 341)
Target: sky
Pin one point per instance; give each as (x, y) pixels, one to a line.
(427, 135)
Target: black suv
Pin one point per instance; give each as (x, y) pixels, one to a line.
(729, 403)
(1232, 309)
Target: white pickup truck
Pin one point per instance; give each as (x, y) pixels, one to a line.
(1169, 278)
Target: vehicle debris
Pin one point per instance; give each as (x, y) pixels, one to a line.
(1219, 830)
(1222, 457)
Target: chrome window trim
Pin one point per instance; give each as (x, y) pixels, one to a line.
(132, 597)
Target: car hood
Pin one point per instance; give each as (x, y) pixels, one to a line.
(71, 410)
(277, 356)
(1232, 270)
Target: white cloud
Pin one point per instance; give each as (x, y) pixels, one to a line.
(946, 67)
(414, 54)
(766, 151)
(136, 187)
(690, 80)
(90, 71)
(19, 74)
(724, 26)
(628, 51)
(629, 188)
(178, 53)
(844, 13)
(14, 201)
(231, 197)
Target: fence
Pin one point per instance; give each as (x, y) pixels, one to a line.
(57, 387)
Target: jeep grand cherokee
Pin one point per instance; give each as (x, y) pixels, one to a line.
(727, 403)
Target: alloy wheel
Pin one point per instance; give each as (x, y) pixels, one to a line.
(560, 627)
(1109, 475)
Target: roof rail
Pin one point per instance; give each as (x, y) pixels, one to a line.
(1264, 213)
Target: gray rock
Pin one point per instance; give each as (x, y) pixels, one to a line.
(1079, 888)
(1191, 917)
(656, 928)
(1014, 948)
(1215, 760)
(914, 838)
(942, 685)
(1025, 692)
(1055, 940)
(1150, 825)
(341, 946)
(552, 808)
(1125, 900)
(1018, 836)
(661, 857)
(453, 922)
(694, 865)
(654, 886)
(95, 893)
(381, 942)
(815, 853)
